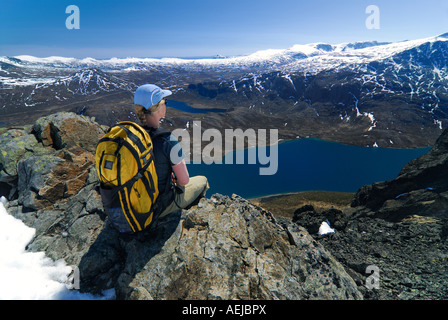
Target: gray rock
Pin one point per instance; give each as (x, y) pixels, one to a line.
(16, 144)
(33, 173)
(67, 129)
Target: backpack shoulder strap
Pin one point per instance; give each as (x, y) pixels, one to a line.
(133, 138)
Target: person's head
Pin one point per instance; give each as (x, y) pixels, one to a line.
(150, 104)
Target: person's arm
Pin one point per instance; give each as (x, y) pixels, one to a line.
(181, 172)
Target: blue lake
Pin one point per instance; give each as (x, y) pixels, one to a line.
(179, 105)
(308, 164)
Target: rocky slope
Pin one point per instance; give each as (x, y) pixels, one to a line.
(400, 226)
(227, 247)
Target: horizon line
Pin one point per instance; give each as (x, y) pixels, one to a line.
(218, 56)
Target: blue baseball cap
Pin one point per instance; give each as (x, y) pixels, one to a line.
(148, 95)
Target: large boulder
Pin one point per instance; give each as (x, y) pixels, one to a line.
(67, 129)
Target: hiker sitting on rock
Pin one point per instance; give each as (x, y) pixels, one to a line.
(171, 170)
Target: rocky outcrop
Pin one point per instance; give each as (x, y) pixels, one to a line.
(50, 161)
(421, 186)
(399, 226)
(51, 184)
(67, 130)
(225, 248)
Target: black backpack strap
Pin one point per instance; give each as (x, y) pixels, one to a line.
(133, 138)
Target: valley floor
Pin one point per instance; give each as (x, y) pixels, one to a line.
(284, 205)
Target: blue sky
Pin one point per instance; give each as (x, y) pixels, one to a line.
(191, 28)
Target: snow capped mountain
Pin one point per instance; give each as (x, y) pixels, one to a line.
(383, 89)
(309, 58)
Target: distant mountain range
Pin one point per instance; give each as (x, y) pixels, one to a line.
(365, 93)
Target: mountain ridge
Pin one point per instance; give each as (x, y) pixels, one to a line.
(390, 95)
(308, 50)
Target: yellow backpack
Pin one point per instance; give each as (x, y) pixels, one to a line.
(128, 178)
